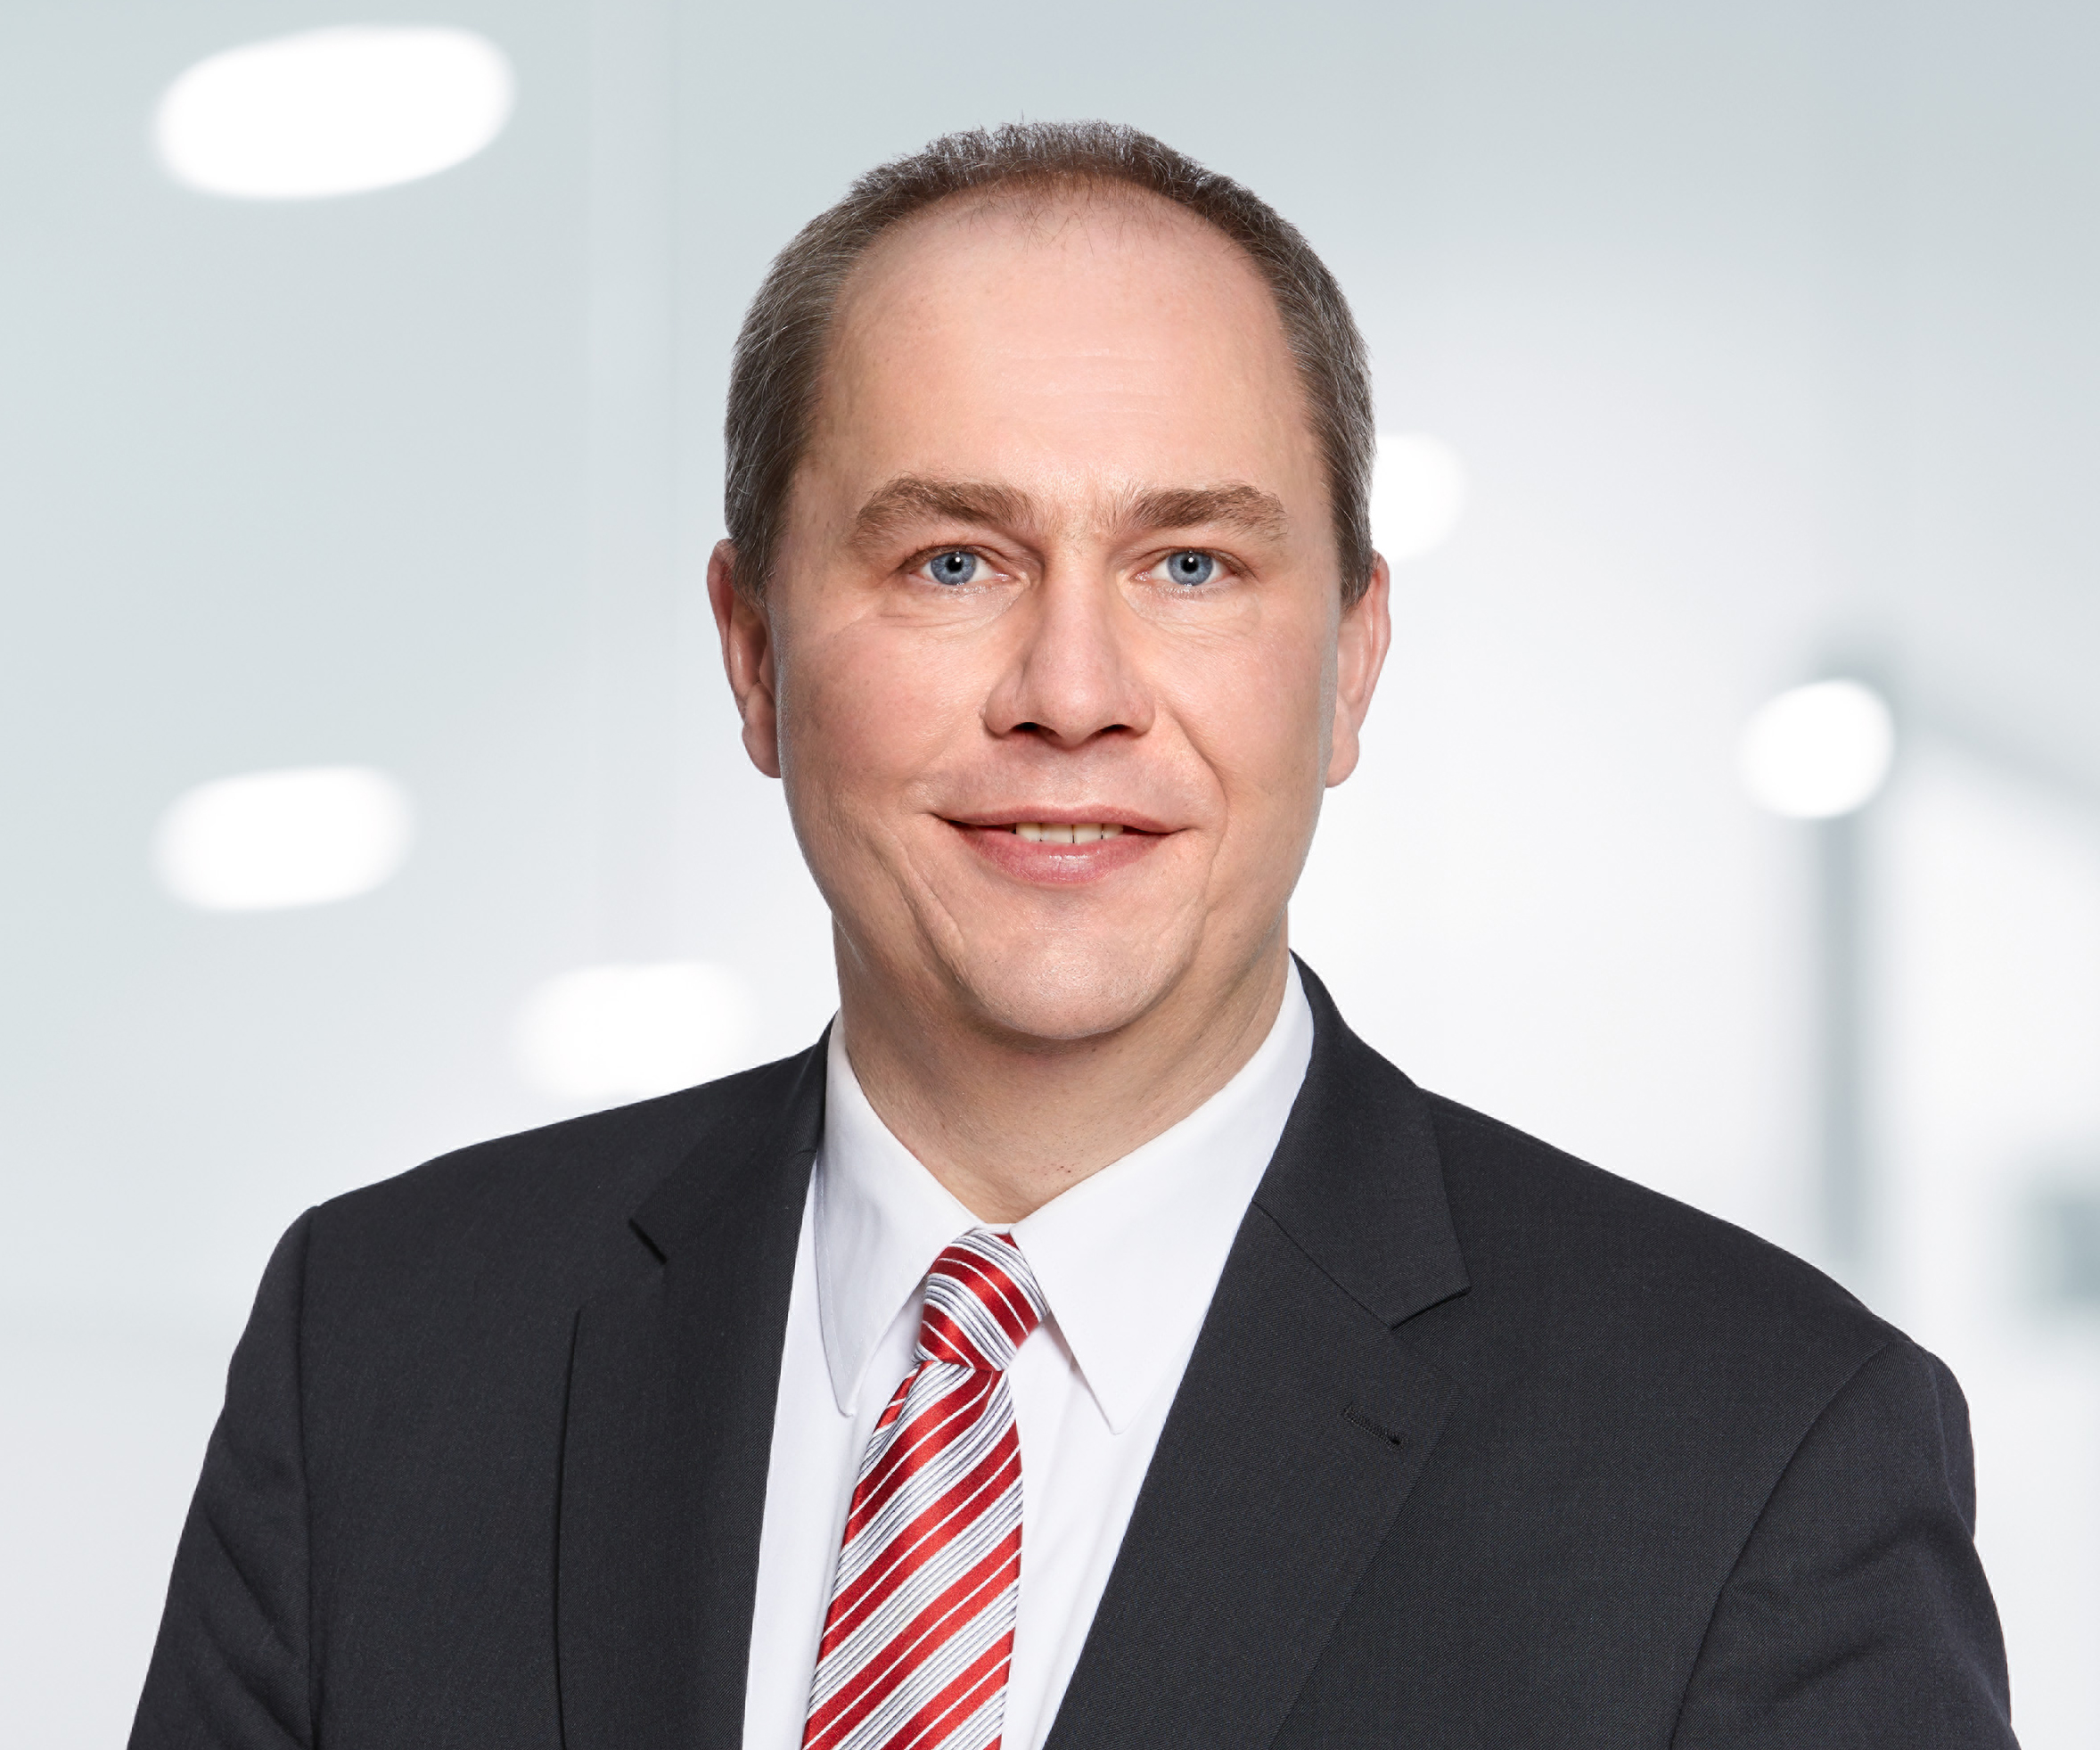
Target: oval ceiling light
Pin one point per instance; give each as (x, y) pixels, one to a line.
(268, 840)
(1820, 751)
(1417, 494)
(621, 1031)
(335, 111)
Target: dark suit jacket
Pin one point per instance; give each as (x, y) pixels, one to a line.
(1480, 1447)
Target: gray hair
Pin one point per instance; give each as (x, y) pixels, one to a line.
(776, 374)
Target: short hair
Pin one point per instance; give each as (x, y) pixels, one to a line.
(775, 375)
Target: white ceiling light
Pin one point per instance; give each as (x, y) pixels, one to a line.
(619, 1031)
(268, 840)
(1418, 494)
(1817, 751)
(333, 111)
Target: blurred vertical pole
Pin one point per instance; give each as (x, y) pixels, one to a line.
(1866, 68)
(1846, 1168)
(632, 470)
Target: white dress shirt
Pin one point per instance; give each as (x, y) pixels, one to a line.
(1127, 1261)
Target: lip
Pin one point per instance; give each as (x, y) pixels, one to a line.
(1006, 819)
(1040, 864)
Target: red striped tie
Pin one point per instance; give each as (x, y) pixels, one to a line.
(921, 1628)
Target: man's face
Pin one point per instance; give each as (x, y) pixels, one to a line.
(1053, 663)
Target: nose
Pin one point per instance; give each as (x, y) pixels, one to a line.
(1071, 673)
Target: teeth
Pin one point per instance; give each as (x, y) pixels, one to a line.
(1038, 832)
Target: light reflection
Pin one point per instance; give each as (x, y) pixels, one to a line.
(1418, 494)
(335, 111)
(265, 841)
(626, 1031)
(1820, 751)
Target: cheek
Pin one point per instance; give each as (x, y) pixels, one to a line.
(1256, 712)
(861, 717)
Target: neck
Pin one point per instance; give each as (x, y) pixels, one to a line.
(1005, 1122)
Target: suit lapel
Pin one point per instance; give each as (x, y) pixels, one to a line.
(668, 1430)
(1300, 1425)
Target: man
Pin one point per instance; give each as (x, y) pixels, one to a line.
(1091, 1341)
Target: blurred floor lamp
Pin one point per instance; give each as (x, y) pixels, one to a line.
(1819, 753)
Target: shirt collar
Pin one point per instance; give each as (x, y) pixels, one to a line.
(1126, 1259)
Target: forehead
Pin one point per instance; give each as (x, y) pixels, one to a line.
(1097, 325)
(1098, 220)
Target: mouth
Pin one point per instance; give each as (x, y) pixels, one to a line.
(1058, 832)
(1062, 848)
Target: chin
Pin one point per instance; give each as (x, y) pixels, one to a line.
(1063, 992)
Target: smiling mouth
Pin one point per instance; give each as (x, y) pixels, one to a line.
(1063, 853)
(1057, 833)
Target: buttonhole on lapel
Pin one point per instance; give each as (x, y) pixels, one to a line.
(1371, 1428)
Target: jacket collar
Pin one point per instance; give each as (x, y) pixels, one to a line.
(1356, 1182)
(766, 1120)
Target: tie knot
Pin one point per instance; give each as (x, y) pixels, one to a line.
(981, 1301)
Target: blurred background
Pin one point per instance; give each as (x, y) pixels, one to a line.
(1730, 815)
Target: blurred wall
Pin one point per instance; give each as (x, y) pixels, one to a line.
(1764, 334)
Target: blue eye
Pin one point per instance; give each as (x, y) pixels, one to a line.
(954, 567)
(1191, 567)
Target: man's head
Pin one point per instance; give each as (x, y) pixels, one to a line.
(1047, 458)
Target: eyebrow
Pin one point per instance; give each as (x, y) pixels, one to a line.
(911, 498)
(1245, 508)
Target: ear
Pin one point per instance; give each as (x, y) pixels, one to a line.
(1361, 642)
(747, 659)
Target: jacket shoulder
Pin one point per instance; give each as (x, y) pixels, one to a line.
(550, 1206)
(1580, 1256)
